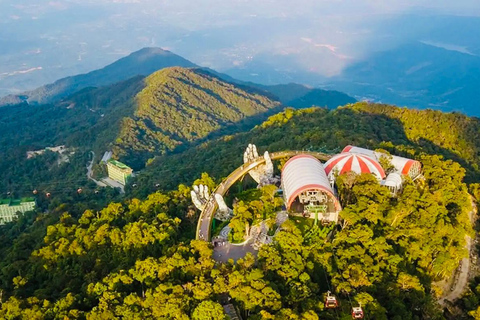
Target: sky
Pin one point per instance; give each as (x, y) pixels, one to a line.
(41, 41)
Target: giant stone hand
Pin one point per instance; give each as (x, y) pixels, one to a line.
(223, 213)
(263, 172)
(200, 196)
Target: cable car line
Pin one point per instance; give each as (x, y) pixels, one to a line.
(330, 300)
(357, 312)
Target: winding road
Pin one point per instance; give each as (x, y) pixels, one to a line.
(205, 221)
(90, 173)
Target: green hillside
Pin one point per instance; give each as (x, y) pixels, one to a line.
(182, 105)
(137, 259)
(400, 130)
(453, 134)
(138, 118)
(300, 96)
(142, 62)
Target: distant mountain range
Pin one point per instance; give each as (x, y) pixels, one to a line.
(148, 60)
(142, 62)
(417, 74)
(300, 96)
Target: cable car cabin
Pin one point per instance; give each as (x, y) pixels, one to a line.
(357, 313)
(331, 302)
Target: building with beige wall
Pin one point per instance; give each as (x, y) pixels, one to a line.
(118, 171)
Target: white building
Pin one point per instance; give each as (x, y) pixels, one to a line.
(9, 208)
(307, 190)
(393, 182)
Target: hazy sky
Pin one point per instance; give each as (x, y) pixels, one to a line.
(43, 40)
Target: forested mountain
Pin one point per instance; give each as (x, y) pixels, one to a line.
(405, 131)
(148, 60)
(182, 105)
(142, 62)
(138, 118)
(136, 259)
(300, 96)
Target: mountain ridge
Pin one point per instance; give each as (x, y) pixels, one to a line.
(142, 62)
(412, 131)
(150, 59)
(138, 119)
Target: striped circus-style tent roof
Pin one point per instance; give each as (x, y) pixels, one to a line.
(358, 163)
(403, 166)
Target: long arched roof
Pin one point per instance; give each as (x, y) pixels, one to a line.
(393, 180)
(302, 173)
(358, 163)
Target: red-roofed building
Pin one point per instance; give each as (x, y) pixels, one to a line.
(403, 166)
(350, 162)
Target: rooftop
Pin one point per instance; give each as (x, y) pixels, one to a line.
(15, 202)
(119, 164)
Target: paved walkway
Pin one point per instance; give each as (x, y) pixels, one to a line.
(232, 251)
(114, 184)
(224, 233)
(281, 217)
(258, 237)
(461, 276)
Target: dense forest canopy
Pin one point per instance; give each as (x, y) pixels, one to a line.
(398, 130)
(135, 259)
(137, 118)
(94, 256)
